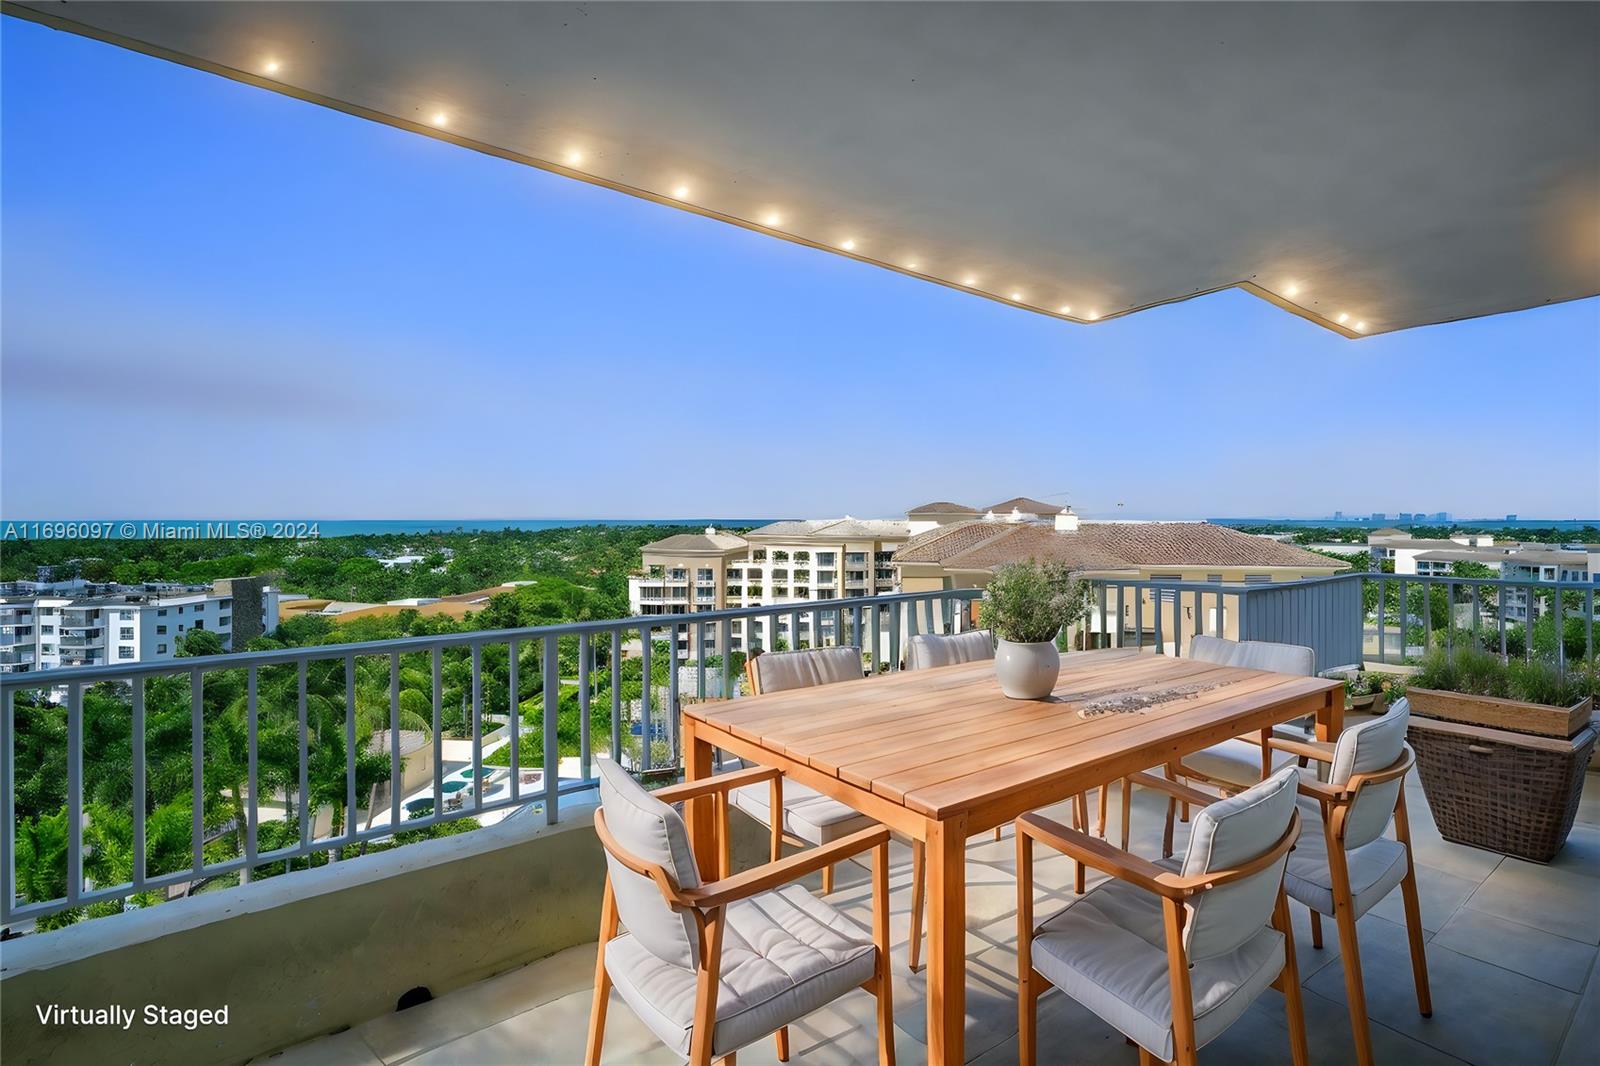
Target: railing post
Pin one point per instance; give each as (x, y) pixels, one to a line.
(140, 859)
(75, 792)
(585, 741)
(8, 805)
(514, 714)
(616, 696)
(644, 698)
(252, 775)
(438, 726)
(552, 748)
(477, 725)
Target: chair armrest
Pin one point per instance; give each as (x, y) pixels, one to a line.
(718, 783)
(1192, 796)
(1102, 856)
(1320, 790)
(771, 875)
(1317, 751)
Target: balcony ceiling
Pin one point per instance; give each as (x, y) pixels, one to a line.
(1398, 164)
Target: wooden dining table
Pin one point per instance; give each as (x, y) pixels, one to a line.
(941, 754)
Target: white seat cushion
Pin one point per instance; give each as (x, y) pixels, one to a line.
(1107, 950)
(1375, 868)
(807, 813)
(784, 954)
(1235, 761)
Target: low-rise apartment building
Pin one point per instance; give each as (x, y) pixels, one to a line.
(48, 625)
(963, 552)
(1532, 563)
(774, 565)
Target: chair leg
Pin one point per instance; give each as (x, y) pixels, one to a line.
(730, 1059)
(1408, 895)
(1316, 930)
(1027, 979)
(1170, 771)
(827, 880)
(1028, 1020)
(997, 832)
(1100, 828)
(882, 984)
(781, 1038)
(705, 993)
(919, 893)
(1127, 809)
(602, 980)
(1081, 815)
(1147, 1059)
(1294, 1009)
(1344, 917)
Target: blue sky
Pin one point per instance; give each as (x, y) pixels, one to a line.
(223, 303)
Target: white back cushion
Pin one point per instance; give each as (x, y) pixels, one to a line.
(1254, 655)
(1230, 833)
(1279, 658)
(930, 650)
(780, 670)
(650, 830)
(1364, 749)
(1210, 649)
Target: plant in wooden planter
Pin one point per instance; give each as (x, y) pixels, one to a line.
(1501, 748)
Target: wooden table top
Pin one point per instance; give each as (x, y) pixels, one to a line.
(945, 741)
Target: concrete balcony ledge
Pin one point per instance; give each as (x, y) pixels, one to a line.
(308, 954)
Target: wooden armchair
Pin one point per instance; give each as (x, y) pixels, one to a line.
(713, 967)
(806, 818)
(1345, 864)
(1220, 913)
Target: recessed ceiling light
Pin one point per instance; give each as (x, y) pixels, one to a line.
(1016, 296)
(969, 281)
(1291, 289)
(912, 265)
(1361, 327)
(271, 66)
(1066, 309)
(1092, 315)
(574, 157)
(680, 192)
(771, 218)
(441, 119)
(1343, 317)
(849, 245)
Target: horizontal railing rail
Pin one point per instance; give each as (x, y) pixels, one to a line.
(313, 736)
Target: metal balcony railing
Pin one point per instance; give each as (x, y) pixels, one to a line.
(1348, 618)
(275, 693)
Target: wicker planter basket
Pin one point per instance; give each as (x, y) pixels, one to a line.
(1511, 792)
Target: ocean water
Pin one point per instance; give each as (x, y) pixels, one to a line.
(1369, 523)
(353, 527)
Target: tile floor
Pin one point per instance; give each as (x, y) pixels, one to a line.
(1511, 949)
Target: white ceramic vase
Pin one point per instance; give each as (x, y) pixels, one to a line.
(1027, 671)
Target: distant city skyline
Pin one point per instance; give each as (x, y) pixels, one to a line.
(221, 302)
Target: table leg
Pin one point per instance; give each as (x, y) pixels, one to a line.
(702, 816)
(1330, 720)
(947, 941)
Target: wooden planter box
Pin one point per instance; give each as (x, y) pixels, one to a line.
(1499, 774)
(1536, 718)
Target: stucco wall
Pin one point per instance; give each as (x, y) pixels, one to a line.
(310, 953)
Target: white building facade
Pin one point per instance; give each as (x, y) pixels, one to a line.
(65, 624)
